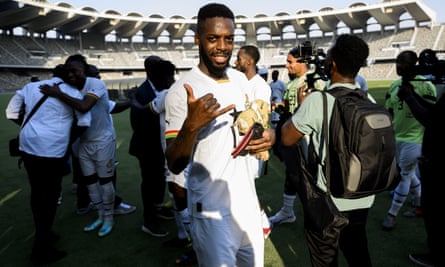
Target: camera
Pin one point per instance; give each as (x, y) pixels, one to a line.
(430, 67)
(315, 60)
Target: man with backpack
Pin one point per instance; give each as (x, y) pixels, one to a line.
(344, 61)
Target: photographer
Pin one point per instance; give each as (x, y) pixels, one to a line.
(409, 134)
(305, 67)
(344, 60)
(430, 169)
(297, 69)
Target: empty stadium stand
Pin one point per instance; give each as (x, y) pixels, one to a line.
(36, 35)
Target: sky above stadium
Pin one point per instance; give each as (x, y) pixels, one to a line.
(188, 9)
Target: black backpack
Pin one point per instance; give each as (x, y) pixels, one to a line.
(362, 145)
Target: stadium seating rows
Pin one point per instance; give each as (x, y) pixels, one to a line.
(36, 56)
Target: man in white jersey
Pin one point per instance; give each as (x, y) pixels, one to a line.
(97, 146)
(226, 226)
(246, 62)
(84, 204)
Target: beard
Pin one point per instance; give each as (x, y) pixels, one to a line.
(292, 76)
(214, 70)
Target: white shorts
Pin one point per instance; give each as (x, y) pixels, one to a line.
(407, 156)
(221, 242)
(97, 158)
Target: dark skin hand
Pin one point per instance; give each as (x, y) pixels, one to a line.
(51, 90)
(201, 112)
(302, 93)
(290, 134)
(82, 105)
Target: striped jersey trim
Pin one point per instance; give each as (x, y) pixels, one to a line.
(223, 81)
(171, 134)
(150, 105)
(92, 95)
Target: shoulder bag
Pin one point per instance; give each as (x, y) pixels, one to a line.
(14, 150)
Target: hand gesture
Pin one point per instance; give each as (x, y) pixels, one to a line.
(203, 110)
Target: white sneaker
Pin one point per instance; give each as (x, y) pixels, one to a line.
(124, 209)
(282, 217)
(59, 200)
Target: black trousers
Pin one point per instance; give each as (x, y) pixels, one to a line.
(432, 204)
(290, 156)
(45, 179)
(352, 241)
(153, 185)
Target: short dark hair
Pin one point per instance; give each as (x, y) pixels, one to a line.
(162, 74)
(150, 60)
(349, 53)
(275, 75)
(299, 51)
(295, 52)
(252, 51)
(78, 58)
(407, 57)
(93, 71)
(213, 10)
(59, 71)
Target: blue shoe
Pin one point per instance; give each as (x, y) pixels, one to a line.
(105, 229)
(282, 217)
(96, 224)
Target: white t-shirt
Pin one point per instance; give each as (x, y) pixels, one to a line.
(260, 90)
(47, 133)
(101, 129)
(222, 184)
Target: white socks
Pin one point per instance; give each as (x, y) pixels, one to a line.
(94, 191)
(185, 217)
(182, 231)
(108, 200)
(288, 203)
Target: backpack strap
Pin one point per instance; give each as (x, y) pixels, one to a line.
(343, 91)
(324, 139)
(34, 109)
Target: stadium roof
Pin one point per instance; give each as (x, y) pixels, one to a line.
(40, 16)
